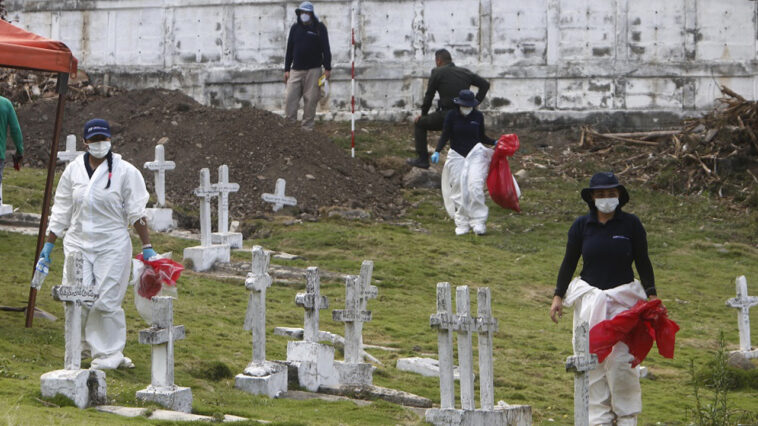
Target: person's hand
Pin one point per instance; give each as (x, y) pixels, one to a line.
(327, 74)
(415, 120)
(556, 309)
(286, 76)
(17, 161)
(45, 253)
(652, 297)
(435, 157)
(148, 253)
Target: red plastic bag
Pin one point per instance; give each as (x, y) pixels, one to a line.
(500, 180)
(638, 327)
(157, 273)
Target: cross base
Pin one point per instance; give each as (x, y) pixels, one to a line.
(752, 354)
(314, 363)
(203, 257)
(233, 239)
(428, 367)
(511, 415)
(160, 219)
(354, 374)
(176, 398)
(266, 378)
(6, 209)
(84, 387)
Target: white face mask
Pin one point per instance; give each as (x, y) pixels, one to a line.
(466, 110)
(305, 17)
(99, 149)
(606, 205)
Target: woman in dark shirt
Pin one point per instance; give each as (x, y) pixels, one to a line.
(466, 166)
(609, 240)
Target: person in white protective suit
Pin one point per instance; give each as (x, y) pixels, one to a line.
(467, 165)
(608, 240)
(98, 196)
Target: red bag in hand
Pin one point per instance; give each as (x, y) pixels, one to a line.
(500, 181)
(158, 272)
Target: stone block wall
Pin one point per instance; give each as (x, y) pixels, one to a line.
(553, 58)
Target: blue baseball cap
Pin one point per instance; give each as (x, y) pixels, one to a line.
(305, 6)
(97, 126)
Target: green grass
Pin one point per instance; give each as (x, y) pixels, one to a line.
(697, 246)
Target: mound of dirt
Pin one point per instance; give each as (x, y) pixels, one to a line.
(258, 147)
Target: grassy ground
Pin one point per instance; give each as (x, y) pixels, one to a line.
(697, 246)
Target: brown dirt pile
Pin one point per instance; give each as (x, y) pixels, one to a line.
(258, 147)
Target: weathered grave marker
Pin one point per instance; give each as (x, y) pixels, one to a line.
(581, 363)
(206, 254)
(278, 199)
(314, 361)
(83, 387)
(160, 218)
(743, 303)
(70, 153)
(261, 377)
(224, 187)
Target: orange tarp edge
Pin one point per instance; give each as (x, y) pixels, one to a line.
(22, 49)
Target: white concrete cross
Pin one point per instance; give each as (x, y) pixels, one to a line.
(206, 191)
(278, 198)
(255, 319)
(357, 292)
(70, 153)
(486, 326)
(312, 301)
(73, 293)
(159, 166)
(224, 188)
(465, 324)
(581, 363)
(743, 302)
(444, 322)
(4, 208)
(161, 335)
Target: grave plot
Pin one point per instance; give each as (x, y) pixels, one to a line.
(224, 187)
(160, 218)
(206, 254)
(581, 363)
(743, 303)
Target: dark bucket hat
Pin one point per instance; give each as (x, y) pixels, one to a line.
(604, 180)
(466, 98)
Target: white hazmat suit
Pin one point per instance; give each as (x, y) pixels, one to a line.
(614, 385)
(463, 181)
(95, 221)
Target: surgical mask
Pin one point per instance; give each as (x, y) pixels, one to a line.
(305, 17)
(466, 110)
(606, 205)
(99, 149)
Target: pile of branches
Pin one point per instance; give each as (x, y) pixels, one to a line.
(23, 86)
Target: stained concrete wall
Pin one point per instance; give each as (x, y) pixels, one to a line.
(553, 58)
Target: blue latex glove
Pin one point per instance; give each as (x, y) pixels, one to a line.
(45, 253)
(435, 157)
(148, 253)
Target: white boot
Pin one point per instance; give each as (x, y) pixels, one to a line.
(480, 229)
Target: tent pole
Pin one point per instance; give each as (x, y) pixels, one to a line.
(61, 89)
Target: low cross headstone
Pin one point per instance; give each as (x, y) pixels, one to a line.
(260, 376)
(161, 336)
(84, 387)
(70, 153)
(224, 187)
(743, 303)
(358, 290)
(278, 199)
(5, 209)
(314, 361)
(159, 166)
(581, 363)
(465, 325)
(160, 219)
(206, 254)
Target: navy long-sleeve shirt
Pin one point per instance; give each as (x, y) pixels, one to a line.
(449, 80)
(608, 251)
(308, 47)
(463, 132)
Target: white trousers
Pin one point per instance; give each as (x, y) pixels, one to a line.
(463, 181)
(615, 391)
(104, 322)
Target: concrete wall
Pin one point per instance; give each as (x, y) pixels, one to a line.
(553, 58)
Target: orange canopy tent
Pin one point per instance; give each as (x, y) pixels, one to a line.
(22, 49)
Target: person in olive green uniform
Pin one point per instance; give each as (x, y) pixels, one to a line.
(448, 80)
(8, 120)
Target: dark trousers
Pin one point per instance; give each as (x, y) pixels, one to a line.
(432, 121)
